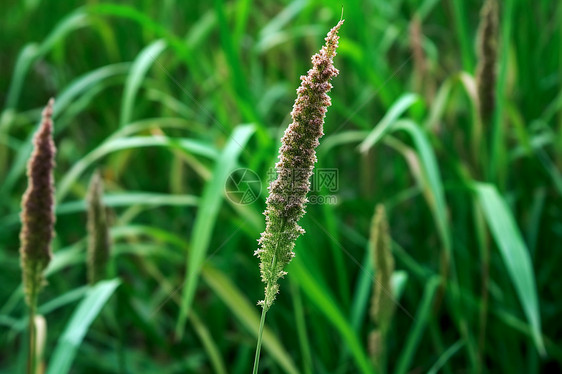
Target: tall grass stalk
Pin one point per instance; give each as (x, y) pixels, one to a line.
(98, 233)
(38, 219)
(382, 307)
(487, 49)
(287, 194)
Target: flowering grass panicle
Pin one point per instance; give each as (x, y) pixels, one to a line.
(297, 156)
(98, 233)
(382, 306)
(487, 59)
(37, 216)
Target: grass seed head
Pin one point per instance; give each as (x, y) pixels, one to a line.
(487, 59)
(297, 156)
(37, 216)
(383, 303)
(98, 232)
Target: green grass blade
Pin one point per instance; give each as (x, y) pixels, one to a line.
(19, 163)
(325, 303)
(81, 319)
(431, 171)
(498, 151)
(514, 253)
(25, 58)
(281, 19)
(146, 58)
(445, 357)
(86, 82)
(397, 109)
(462, 31)
(208, 210)
(130, 199)
(420, 322)
(113, 145)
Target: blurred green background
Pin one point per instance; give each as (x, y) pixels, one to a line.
(167, 98)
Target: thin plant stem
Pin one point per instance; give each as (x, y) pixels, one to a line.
(263, 313)
(31, 359)
(258, 346)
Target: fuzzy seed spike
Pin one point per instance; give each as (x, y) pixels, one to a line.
(297, 156)
(383, 303)
(98, 232)
(487, 59)
(382, 307)
(37, 216)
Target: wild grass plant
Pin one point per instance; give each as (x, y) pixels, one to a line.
(37, 223)
(287, 198)
(448, 113)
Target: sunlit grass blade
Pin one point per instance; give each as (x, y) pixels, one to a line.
(146, 58)
(435, 185)
(397, 109)
(132, 198)
(274, 27)
(113, 145)
(514, 253)
(431, 176)
(445, 357)
(207, 214)
(85, 83)
(75, 331)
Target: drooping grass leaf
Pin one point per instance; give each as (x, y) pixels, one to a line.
(397, 109)
(146, 58)
(84, 83)
(434, 183)
(132, 198)
(113, 145)
(445, 357)
(514, 253)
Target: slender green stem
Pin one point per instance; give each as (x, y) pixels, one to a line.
(258, 347)
(31, 359)
(266, 306)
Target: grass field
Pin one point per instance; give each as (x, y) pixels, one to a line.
(181, 107)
